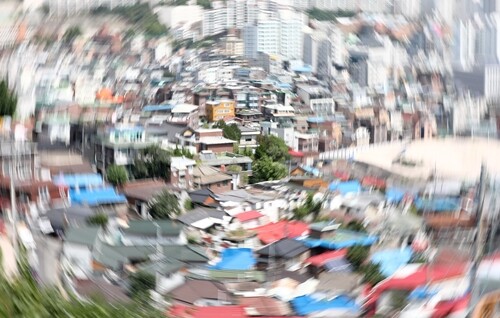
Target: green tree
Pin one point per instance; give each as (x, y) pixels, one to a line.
(164, 206)
(355, 226)
(141, 283)
(188, 205)
(100, 219)
(22, 297)
(72, 33)
(152, 162)
(273, 148)
(328, 15)
(267, 170)
(357, 255)
(372, 274)
(232, 131)
(117, 175)
(310, 207)
(8, 100)
(206, 4)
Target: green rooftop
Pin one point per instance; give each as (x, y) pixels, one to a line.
(82, 235)
(148, 228)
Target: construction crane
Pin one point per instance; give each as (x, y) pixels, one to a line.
(488, 306)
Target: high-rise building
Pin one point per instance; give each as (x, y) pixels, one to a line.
(71, 7)
(241, 13)
(214, 21)
(377, 6)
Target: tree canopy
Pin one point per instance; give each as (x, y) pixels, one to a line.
(117, 175)
(22, 297)
(8, 100)
(72, 33)
(310, 207)
(357, 256)
(272, 147)
(164, 206)
(232, 131)
(141, 283)
(100, 219)
(152, 162)
(266, 170)
(329, 15)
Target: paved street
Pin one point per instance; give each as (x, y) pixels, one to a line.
(47, 252)
(8, 256)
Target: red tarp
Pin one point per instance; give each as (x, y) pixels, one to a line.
(273, 232)
(248, 215)
(342, 175)
(419, 277)
(294, 153)
(322, 259)
(180, 311)
(373, 182)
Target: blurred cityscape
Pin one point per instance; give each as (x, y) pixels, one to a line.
(250, 158)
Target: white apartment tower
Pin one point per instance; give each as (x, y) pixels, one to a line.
(241, 13)
(214, 21)
(71, 7)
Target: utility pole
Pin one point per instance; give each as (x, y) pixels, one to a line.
(13, 203)
(481, 226)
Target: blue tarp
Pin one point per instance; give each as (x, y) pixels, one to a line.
(155, 108)
(236, 259)
(343, 239)
(79, 180)
(438, 204)
(394, 195)
(422, 292)
(391, 260)
(345, 187)
(338, 265)
(96, 196)
(311, 170)
(305, 305)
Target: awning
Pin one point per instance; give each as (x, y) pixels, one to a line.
(297, 154)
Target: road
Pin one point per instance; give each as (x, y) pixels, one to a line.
(48, 250)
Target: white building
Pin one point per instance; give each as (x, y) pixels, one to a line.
(377, 6)
(181, 20)
(408, 8)
(241, 13)
(468, 113)
(275, 33)
(71, 7)
(214, 20)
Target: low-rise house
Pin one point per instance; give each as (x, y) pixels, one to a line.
(285, 254)
(248, 138)
(201, 293)
(203, 198)
(211, 178)
(249, 220)
(184, 114)
(64, 163)
(265, 306)
(119, 145)
(140, 193)
(205, 139)
(77, 250)
(269, 203)
(220, 110)
(144, 232)
(225, 159)
(181, 172)
(168, 273)
(204, 218)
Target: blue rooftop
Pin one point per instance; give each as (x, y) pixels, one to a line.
(306, 305)
(311, 170)
(302, 69)
(236, 259)
(156, 108)
(345, 187)
(317, 120)
(394, 195)
(438, 205)
(341, 239)
(391, 260)
(79, 180)
(96, 197)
